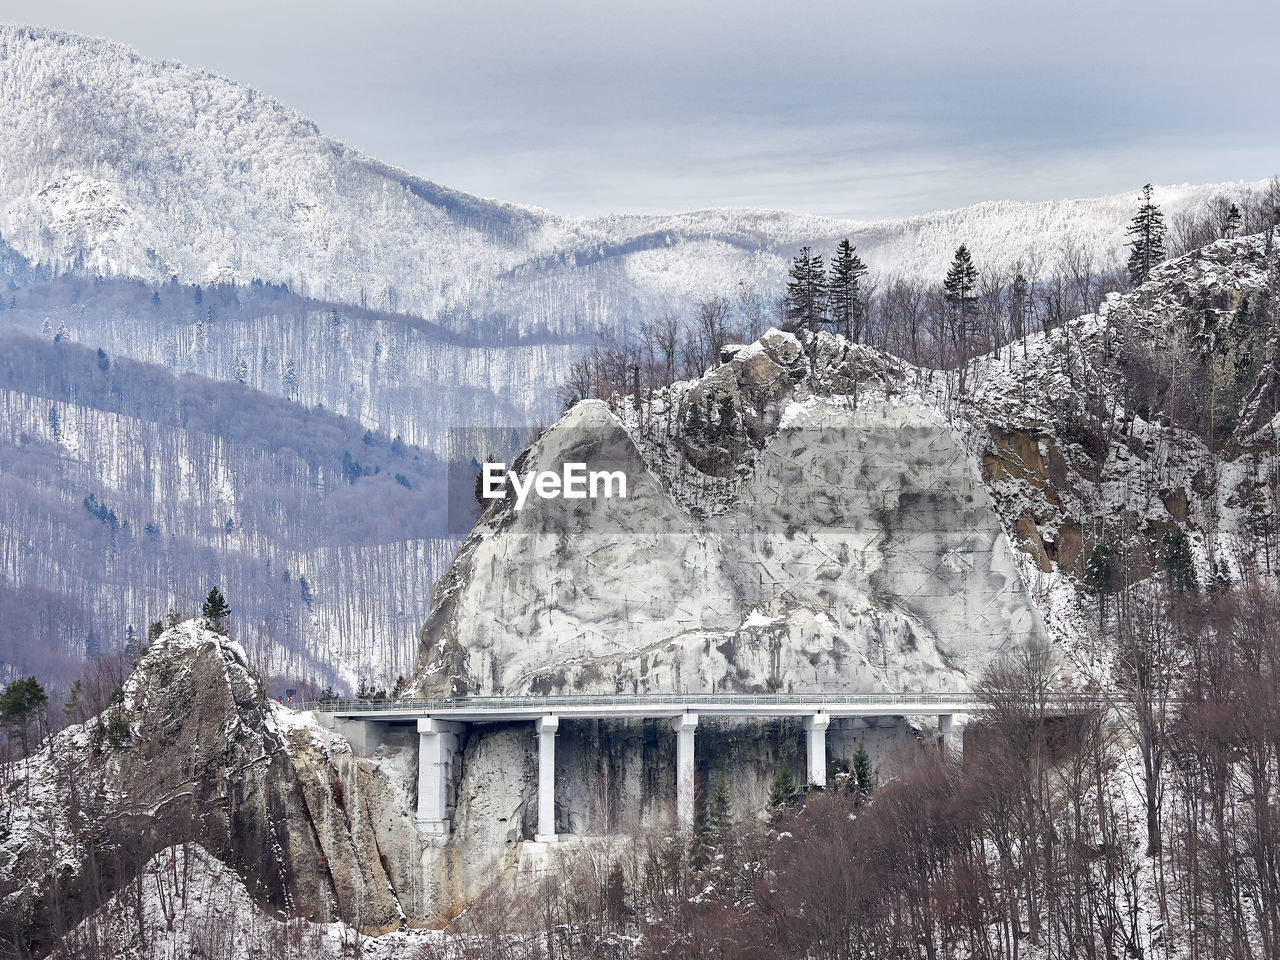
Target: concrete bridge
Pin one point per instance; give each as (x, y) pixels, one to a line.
(440, 722)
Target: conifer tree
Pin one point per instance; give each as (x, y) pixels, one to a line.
(864, 777)
(721, 815)
(73, 701)
(20, 706)
(805, 302)
(703, 839)
(727, 417)
(961, 289)
(1179, 561)
(216, 609)
(846, 308)
(1147, 239)
(693, 422)
(1231, 222)
(1103, 573)
(782, 792)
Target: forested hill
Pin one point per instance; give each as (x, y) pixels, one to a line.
(402, 375)
(128, 166)
(125, 491)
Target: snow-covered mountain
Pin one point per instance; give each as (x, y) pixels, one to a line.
(152, 169)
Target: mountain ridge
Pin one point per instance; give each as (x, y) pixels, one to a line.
(152, 168)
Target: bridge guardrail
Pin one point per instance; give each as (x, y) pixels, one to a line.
(502, 703)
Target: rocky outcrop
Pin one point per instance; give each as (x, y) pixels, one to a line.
(775, 535)
(811, 514)
(194, 751)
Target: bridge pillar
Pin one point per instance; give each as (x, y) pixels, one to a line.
(951, 734)
(437, 744)
(684, 726)
(815, 727)
(546, 727)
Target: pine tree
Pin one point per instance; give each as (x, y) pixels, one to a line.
(73, 701)
(721, 815)
(846, 309)
(703, 835)
(961, 290)
(805, 301)
(20, 707)
(1147, 243)
(781, 793)
(1231, 222)
(1101, 570)
(864, 777)
(1179, 561)
(215, 609)
(1019, 301)
(693, 422)
(727, 417)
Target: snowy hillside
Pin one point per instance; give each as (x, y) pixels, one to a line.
(396, 374)
(125, 493)
(134, 167)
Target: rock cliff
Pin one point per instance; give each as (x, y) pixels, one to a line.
(775, 536)
(193, 751)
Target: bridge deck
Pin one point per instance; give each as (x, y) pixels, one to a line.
(620, 706)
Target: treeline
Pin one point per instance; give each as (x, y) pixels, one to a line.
(1040, 842)
(938, 324)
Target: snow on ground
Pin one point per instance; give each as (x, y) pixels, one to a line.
(192, 905)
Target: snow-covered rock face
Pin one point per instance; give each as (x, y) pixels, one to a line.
(194, 905)
(193, 751)
(834, 548)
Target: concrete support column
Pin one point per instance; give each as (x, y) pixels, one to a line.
(951, 734)
(815, 727)
(546, 727)
(684, 725)
(437, 744)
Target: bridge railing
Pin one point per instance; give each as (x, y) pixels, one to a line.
(968, 701)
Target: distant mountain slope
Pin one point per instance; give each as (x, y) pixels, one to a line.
(153, 169)
(398, 374)
(125, 491)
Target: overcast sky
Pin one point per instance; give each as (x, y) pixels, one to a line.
(835, 107)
